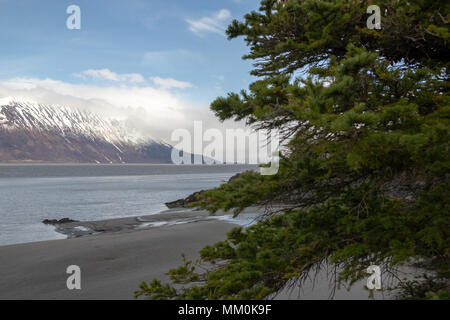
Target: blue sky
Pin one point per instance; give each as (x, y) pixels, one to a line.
(146, 37)
(155, 65)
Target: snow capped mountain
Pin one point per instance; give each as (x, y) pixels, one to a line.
(66, 121)
(35, 132)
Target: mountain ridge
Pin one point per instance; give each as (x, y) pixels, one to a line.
(32, 132)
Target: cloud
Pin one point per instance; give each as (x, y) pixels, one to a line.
(169, 83)
(214, 23)
(148, 111)
(106, 74)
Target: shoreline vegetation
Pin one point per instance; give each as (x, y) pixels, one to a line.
(116, 254)
(362, 182)
(359, 111)
(128, 234)
(95, 246)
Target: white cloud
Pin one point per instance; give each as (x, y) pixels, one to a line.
(148, 111)
(169, 83)
(214, 23)
(106, 74)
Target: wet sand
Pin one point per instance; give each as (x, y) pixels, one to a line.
(112, 264)
(115, 256)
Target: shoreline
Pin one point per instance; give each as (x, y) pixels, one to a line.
(121, 253)
(86, 192)
(165, 218)
(113, 264)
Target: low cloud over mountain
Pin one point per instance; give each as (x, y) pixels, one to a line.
(44, 133)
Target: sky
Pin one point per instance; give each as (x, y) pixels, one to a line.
(157, 65)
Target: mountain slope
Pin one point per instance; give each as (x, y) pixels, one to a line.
(41, 133)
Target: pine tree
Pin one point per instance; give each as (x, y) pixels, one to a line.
(364, 177)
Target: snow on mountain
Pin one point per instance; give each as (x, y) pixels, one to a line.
(66, 121)
(31, 131)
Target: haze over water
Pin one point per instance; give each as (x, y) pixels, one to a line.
(32, 193)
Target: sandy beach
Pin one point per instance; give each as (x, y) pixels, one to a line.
(115, 256)
(112, 264)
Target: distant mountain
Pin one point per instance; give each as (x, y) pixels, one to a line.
(31, 132)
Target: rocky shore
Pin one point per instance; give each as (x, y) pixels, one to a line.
(171, 217)
(196, 196)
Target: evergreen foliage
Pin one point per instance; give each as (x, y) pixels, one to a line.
(364, 115)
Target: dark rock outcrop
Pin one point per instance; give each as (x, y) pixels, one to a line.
(55, 221)
(182, 203)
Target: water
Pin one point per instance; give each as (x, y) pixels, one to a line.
(32, 193)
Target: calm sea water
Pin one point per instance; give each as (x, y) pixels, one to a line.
(32, 193)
